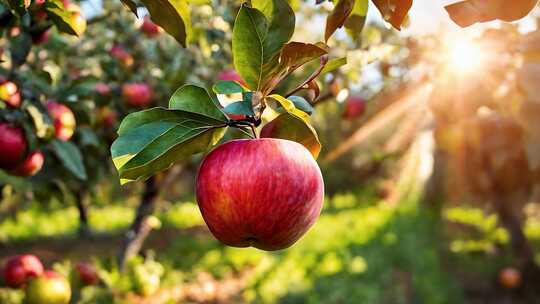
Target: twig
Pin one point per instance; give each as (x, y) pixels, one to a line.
(324, 61)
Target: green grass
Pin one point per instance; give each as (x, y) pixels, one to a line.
(370, 254)
(360, 251)
(36, 222)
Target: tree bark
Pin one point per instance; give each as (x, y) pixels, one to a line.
(139, 230)
(81, 198)
(523, 251)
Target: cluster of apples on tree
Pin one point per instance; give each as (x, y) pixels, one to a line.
(43, 286)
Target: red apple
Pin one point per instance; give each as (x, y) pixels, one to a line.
(40, 16)
(30, 166)
(40, 38)
(63, 118)
(49, 288)
(137, 94)
(87, 274)
(102, 89)
(264, 193)
(12, 146)
(119, 53)
(354, 107)
(107, 117)
(9, 93)
(510, 277)
(149, 28)
(231, 75)
(19, 269)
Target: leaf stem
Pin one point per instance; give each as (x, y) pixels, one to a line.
(315, 74)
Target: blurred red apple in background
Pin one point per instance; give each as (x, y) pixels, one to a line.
(49, 288)
(119, 53)
(9, 93)
(264, 193)
(231, 75)
(149, 28)
(12, 146)
(102, 89)
(30, 166)
(87, 273)
(40, 37)
(63, 119)
(19, 269)
(510, 278)
(354, 107)
(107, 117)
(137, 94)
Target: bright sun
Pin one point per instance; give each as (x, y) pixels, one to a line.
(464, 56)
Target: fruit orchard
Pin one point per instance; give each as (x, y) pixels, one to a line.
(269, 151)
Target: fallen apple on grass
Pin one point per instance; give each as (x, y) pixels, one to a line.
(264, 193)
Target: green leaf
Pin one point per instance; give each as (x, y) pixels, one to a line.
(151, 141)
(337, 18)
(281, 22)
(296, 128)
(249, 33)
(290, 104)
(227, 87)
(191, 98)
(284, 102)
(240, 107)
(63, 18)
(302, 104)
(70, 157)
(88, 137)
(173, 16)
(356, 21)
(259, 35)
(333, 64)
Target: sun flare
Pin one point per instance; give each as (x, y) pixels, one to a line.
(464, 56)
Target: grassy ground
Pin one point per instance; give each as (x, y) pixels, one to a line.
(359, 250)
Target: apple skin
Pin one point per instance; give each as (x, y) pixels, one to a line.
(63, 119)
(9, 93)
(149, 28)
(354, 108)
(30, 166)
(87, 274)
(19, 269)
(264, 193)
(12, 146)
(137, 94)
(510, 278)
(49, 288)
